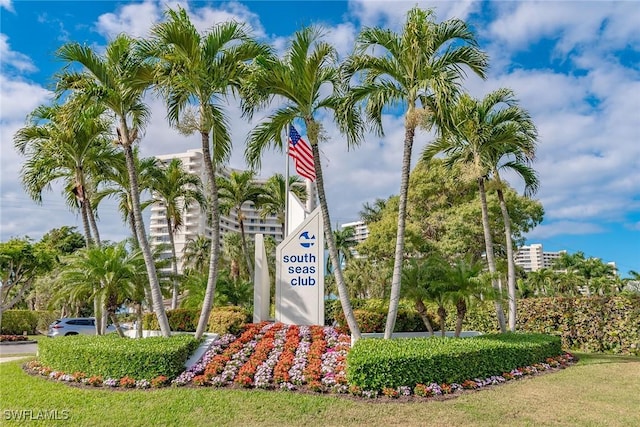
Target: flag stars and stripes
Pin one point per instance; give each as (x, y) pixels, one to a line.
(302, 156)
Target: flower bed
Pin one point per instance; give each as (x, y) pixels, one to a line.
(277, 356)
(13, 338)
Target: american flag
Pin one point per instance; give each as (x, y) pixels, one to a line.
(302, 155)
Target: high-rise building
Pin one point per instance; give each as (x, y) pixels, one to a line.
(195, 220)
(533, 257)
(360, 230)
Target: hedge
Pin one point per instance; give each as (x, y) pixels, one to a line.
(222, 320)
(591, 324)
(15, 322)
(373, 364)
(371, 316)
(113, 357)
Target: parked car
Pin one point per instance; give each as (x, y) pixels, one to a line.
(74, 326)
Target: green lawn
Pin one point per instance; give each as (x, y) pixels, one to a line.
(601, 390)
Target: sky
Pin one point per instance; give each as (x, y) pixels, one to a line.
(574, 65)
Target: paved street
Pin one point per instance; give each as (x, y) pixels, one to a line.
(10, 349)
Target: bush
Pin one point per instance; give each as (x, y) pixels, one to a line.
(110, 356)
(373, 364)
(222, 320)
(180, 320)
(15, 322)
(600, 324)
(228, 320)
(371, 316)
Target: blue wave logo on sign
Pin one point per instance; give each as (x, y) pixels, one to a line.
(307, 241)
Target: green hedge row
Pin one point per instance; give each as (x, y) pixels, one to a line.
(113, 357)
(16, 322)
(373, 364)
(222, 320)
(372, 315)
(592, 324)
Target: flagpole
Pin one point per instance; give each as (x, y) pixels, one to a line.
(286, 187)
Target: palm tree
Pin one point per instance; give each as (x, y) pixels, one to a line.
(195, 70)
(419, 69)
(176, 190)
(373, 212)
(344, 242)
(482, 135)
(114, 183)
(196, 253)
(65, 143)
(309, 82)
(103, 273)
(117, 80)
(463, 275)
(273, 200)
(415, 278)
(233, 192)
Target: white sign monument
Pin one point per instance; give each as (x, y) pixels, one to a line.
(300, 274)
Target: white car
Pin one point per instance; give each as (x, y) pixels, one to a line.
(74, 326)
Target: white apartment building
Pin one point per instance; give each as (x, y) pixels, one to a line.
(360, 230)
(195, 219)
(533, 257)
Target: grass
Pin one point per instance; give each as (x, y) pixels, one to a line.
(599, 390)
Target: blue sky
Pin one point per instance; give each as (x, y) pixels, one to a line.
(574, 65)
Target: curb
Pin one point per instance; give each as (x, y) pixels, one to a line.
(17, 342)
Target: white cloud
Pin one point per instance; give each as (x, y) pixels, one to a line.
(602, 25)
(134, 19)
(545, 231)
(7, 5)
(392, 14)
(20, 62)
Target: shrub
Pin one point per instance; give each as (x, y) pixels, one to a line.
(222, 320)
(374, 364)
(596, 323)
(228, 320)
(110, 356)
(15, 322)
(180, 320)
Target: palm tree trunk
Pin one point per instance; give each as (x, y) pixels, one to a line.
(207, 303)
(114, 319)
(442, 314)
(394, 298)
(511, 267)
(156, 294)
(139, 322)
(174, 265)
(422, 312)
(245, 248)
(132, 224)
(461, 311)
(92, 222)
(85, 223)
(491, 261)
(343, 294)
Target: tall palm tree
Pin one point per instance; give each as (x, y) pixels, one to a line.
(199, 70)
(118, 80)
(420, 70)
(308, 81)
(68, 144)
(233, 192)
(273, 201)
(176, 190)
(114, 183)
(483, 134)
